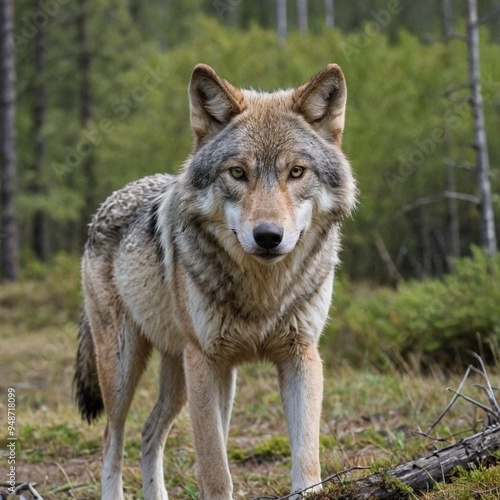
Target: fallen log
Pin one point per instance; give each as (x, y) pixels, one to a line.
(421, 474)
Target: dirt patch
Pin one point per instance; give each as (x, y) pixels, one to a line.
(76, 478)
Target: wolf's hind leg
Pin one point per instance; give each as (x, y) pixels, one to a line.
(171, 399)
(120, 365)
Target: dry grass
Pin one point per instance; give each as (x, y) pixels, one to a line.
(369, 419)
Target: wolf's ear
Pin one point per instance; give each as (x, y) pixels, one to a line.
(321, 101)
(213, 103)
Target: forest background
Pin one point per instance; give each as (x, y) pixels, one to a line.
(102, 100)
(100, 91)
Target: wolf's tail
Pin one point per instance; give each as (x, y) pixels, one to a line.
(86, 381)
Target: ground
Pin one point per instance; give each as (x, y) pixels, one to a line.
(369, 419)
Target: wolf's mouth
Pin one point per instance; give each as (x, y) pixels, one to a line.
(268, 257)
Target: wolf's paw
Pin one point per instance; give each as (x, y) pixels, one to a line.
(304, 492)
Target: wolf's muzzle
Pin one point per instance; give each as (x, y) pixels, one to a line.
(268, 235)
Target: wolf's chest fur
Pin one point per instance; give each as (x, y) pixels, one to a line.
(184, 282)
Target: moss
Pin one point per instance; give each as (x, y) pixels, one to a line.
(478, 483)
(273, 448)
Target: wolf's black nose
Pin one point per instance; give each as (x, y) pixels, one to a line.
(267, 235)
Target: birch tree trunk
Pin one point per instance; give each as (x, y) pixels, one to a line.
(488, 235)
(281, 20)
(302, 20)
(329, 14)
(8, 230)
(451, 187)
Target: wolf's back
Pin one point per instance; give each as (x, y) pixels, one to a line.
(122, 208)
(112, 220)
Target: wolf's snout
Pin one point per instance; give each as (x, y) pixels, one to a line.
(268, 235)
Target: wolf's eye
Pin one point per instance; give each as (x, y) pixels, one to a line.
(237, 173)
(296, 172)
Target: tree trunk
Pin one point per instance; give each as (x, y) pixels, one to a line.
(40, 223)
(425, 240)
(447, 13)
(8, 229)
(329, 14)
(453, 220)
(488, 234)
(84, 62)
(302, 21)
(281, 20)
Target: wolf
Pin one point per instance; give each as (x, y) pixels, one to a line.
(230, 261)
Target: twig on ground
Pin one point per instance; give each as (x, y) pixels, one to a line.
(19, 488)
(452, 402)
(331, 477)
(67, 487)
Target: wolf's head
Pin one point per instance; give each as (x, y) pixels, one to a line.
(266, 167)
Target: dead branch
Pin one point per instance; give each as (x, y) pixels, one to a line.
(452, 402)
(19, 488)
(490, 16)
(392, 270)
(423, 474)
(455, 88)
(429, 200)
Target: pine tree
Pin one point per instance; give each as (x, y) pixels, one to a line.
(8, 229)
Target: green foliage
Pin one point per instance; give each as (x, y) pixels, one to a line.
(433, 321)
(140, 112)
(47, 296)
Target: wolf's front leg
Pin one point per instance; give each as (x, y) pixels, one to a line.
(210, 387)
(301, 385)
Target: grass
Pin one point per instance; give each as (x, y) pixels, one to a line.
(369, 417)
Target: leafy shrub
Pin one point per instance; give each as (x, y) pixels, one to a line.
(422, 322)
(47, 296)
